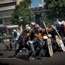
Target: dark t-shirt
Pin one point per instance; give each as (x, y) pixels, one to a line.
(33, 32)
(22, 39)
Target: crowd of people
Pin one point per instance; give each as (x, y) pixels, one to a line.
(33, 39)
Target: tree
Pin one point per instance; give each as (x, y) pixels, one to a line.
(22, 13)
(56, 9)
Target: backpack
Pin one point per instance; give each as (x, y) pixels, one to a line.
(15, 34)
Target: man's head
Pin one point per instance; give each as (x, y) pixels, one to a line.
(27, 27)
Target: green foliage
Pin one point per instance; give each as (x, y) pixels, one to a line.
(48, 21)
(22, 13)
(56, 8)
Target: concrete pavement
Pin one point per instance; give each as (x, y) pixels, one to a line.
(57, 59)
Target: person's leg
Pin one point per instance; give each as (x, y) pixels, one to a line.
(31, 44)
(16, 51)
(46, 48)
(39, 47)
(16, 45)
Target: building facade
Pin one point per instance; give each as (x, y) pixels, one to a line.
(7, 7)
(6, 10)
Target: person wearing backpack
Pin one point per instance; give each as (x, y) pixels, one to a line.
(15, 35)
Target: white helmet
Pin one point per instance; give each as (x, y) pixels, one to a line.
(28, 28)
(27, 25)
(37, 26)
(14, 30)
(33, 23)
(40, 29)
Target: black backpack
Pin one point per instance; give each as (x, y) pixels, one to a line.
(15, 34)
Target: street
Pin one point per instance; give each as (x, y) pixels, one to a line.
(57, 59)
